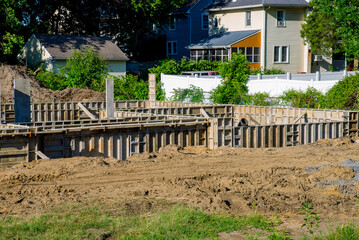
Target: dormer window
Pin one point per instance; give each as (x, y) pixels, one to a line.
(248, 20)
(280, 18)
(172, 23)
(215, 23)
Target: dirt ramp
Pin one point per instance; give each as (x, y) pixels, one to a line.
(38, 92)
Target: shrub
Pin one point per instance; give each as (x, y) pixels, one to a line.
(233, 88)
(311, 98)
(344, 94)
(191, 94)
(261, 99)
(130, 88)
(51, 80)
(267, 71)
(85, 69)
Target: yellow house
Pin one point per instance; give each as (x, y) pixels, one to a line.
(266, 31)
(54, 50)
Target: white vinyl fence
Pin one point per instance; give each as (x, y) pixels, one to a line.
(275, 85)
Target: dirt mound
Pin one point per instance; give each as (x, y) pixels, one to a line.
(38, 92)
(235, 181)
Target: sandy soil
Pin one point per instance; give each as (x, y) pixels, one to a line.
(228, 180)
(39, 93)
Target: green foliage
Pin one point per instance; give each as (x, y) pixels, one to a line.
(11, 39)
(344, 94)
(331, 21)
(191, 94)
(261, 99)
(130, 88)
(170, 66)
(233, 88)
(179, 222)
(343, 232)
(51, 80)
(311, 98)
(85, 69)
(311, 219)
(267, 71)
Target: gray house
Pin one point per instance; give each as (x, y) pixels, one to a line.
(54, 50)
(187, 25)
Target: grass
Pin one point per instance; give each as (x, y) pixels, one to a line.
(174, 222)
(178, 222)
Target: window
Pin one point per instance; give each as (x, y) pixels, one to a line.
(209, 54)
(204, 21)
(281, 54)
(172, 23)
(281, 18)
(215, 22)
(252, 54)
(248, 20)
(171, 48)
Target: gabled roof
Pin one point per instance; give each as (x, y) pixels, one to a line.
(62, 46)
(238, 4)
(185, 8)
(225, 39)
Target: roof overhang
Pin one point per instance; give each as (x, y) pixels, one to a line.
(255, 6)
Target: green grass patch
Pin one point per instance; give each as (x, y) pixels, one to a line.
(178, 222)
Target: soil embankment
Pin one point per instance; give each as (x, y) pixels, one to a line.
(39, 93)
(275, 181)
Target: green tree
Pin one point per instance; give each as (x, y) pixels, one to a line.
(10, 39)
(85, 69)
(235, 74)
(332, 27)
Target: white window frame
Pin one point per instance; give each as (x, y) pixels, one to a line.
(172, 48)
(248, 13)
(280, 54)
(202, 22)
(174, 23)
(253, 55)
(284, 22)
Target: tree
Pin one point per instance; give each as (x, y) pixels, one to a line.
(85, 69)
(332, 27)
(235, 74)
(10, 39)
(128, 22)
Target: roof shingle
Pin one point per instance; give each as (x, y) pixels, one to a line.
(223, 40)
(62, 46)
(225, 4)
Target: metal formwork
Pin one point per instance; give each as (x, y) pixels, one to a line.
(80, 129)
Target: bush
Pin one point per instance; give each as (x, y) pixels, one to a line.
(85, 69)
(311, 98)
(233, 88)
(344, 94)
(51, 80)
(191, 94)
(267, 71)
(130, 88)
(261, 99)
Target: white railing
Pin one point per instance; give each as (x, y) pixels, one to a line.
(275, 85)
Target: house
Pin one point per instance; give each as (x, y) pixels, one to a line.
(54, 50)
(267, 32)
(187, 24)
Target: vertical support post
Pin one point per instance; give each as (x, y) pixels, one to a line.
(22, 100)
(345, 73)
(152, 89)
(110, 108)
(317, 76)
(259, 76)
(289, 76)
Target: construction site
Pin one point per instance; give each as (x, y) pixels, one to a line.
(216, 157)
